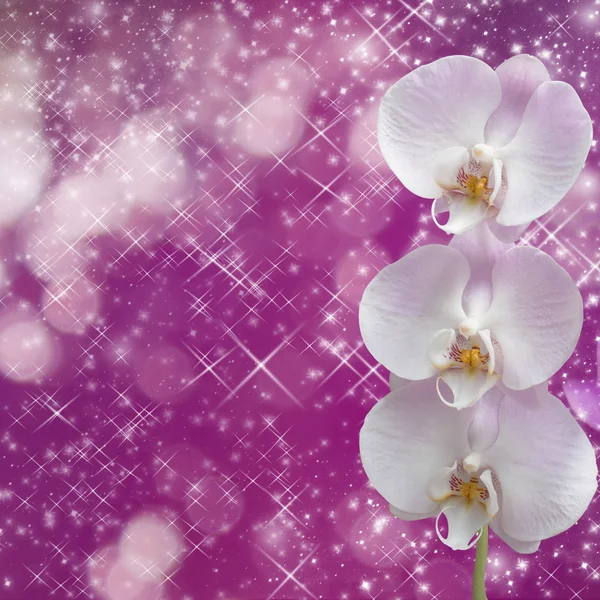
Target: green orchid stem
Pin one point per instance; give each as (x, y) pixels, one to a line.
(480, 564)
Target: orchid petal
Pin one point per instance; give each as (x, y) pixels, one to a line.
(408, 516)
(407, 303)
(486, 338)
(439, 348)
(519, 77)
(398, 382)
(507, 234)
(465, 520)
(467, 385)
(447, 164)
(406, 437)
(484, 427)
(497, 179)
(481, 249)
(437, 106)
(438, 487)
(536, 315)
(491, 504)
(547, 153)
(516, 545)
(546, 467)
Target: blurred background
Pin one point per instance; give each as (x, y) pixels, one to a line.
(191, 203)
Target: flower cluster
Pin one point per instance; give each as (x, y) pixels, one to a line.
(472, 331)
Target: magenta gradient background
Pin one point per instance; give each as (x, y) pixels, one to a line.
(178, 324)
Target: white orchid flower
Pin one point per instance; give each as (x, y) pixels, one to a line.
(526, 468)
(472, 317)
(505, 144)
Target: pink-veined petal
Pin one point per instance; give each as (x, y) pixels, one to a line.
(437, 106)
(547, 153)
(407, 303)
(447, 164)
(486, 338)
(519, 77)
(546, 467)
(408, 436)
(536, 315)
(438, 486)
(439, 348)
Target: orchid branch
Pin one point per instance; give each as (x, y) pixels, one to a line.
(480, 564)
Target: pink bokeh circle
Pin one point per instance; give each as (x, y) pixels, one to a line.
(163, 372)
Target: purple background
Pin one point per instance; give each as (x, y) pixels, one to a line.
(209, 370)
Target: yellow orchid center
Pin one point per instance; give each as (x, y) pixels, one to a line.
(472, 357)
(471, 490)
(477, 186)
(474, 186)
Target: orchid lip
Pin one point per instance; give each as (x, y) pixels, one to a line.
(468, 499)
(471, 190)
(465, 363)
